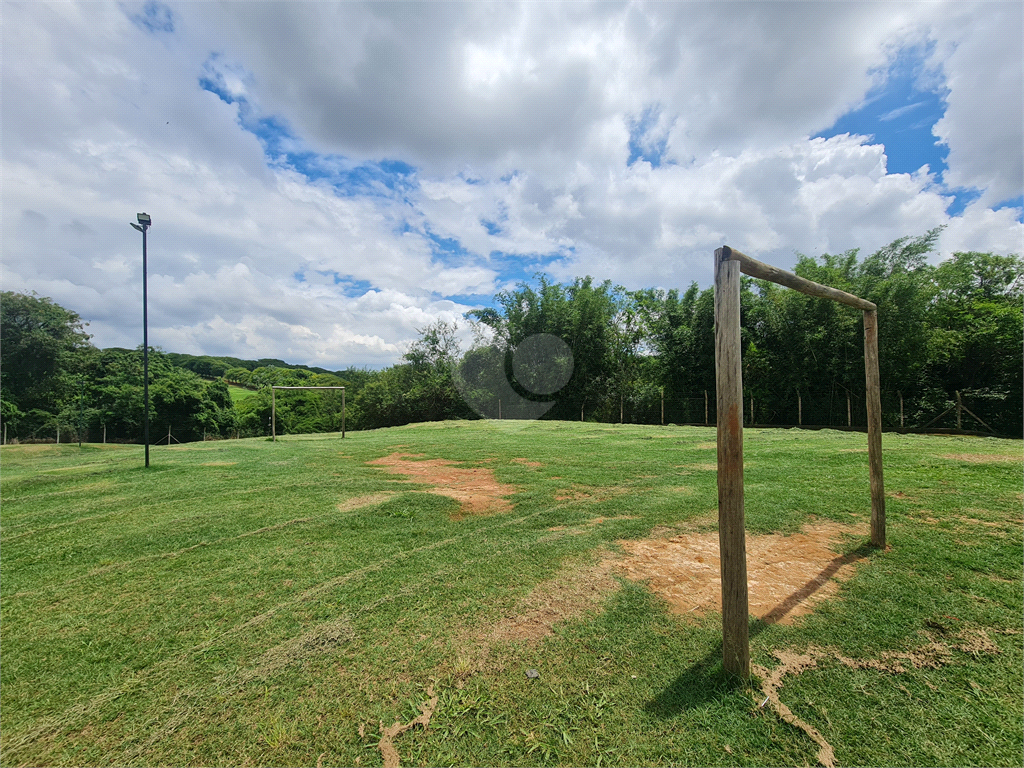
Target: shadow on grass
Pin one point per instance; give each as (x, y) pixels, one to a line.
(706, 680)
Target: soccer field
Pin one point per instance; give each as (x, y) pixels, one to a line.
(383, 598)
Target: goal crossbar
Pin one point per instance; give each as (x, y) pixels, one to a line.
(729, 263)
(273, 408)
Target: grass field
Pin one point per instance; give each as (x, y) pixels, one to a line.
(251, 603)
(239, 393)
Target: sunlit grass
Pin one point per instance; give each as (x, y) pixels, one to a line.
(234, 605)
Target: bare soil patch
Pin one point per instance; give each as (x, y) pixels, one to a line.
(527, 463)
(589, 493)
(386, 745)
(219, 463)
(571, 593)
(787, 574)
(590, 523)
(363, 501)
(933, 655)
(475, 488)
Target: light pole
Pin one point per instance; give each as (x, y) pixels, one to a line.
(143, 226)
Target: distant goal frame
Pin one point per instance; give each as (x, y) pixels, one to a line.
(729, 263)
(273, 408)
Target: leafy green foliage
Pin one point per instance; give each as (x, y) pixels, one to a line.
(40, 343)
(637, 356)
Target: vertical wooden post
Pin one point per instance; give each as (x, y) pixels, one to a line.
(499, 409)
(706, 409)
(342, 413)
(104, 434)
(751, 410)
(58, 434)
(621, 420)
(663, 406)
(5, 433)
(273, 413)
(731, 533)
(959, 411)
(849, 413)
(874, 407)
(799, 410)
(901, 410)
(581, 409)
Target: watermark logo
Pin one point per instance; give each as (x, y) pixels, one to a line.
(515, 384)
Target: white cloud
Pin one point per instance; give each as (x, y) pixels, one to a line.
(517, 120)
(980, 49)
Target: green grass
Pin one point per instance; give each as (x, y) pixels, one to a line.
(228, 607)
(239, 393)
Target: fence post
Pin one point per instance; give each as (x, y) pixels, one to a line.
(706, 409)
(731, 533)
(273, 413)
(663, 406)
(901, 410)
(874, 407)
(799, 410)
(849, 413)
(959, 411)
(342, 413)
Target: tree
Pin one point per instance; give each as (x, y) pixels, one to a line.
(40, 342)
(584, 316)
(975, 338)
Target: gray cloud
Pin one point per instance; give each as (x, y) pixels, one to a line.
(517, 120)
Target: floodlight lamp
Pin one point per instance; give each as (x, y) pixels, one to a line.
(136, 226)
(144, 219)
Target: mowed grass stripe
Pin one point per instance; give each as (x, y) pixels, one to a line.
(229, 630)
(166, 666)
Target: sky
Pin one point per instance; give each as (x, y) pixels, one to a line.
(324, 179)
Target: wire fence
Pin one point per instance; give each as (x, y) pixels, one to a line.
(835, 407)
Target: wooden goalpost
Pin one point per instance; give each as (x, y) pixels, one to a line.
(273, 408)
(729, 263)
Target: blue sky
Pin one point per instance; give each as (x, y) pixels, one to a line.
(321, 191)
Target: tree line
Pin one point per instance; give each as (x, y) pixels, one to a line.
(948, 334)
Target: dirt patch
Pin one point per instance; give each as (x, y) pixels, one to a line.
(588, 493)
(932, 655)
(703, 467)
(572, 494)
(590, 523)
(475, 488)
(527, 463)
(787, 575)
(793, 664)
(386, 745)
(571, 593)
(363, 501)
(982, 458)
(219, 463)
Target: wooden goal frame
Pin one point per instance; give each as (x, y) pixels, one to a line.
(729, 263)
(273, 408)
